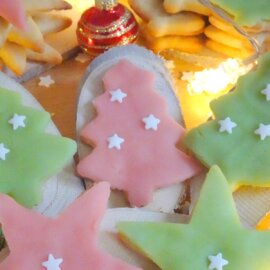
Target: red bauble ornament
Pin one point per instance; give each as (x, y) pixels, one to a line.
(106, 25)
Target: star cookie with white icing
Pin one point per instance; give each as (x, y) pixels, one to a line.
(214, 228)
(66, 242)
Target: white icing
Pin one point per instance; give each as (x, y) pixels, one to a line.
(3, 151)
(151, 122)
(217, 262)
(226, 125)
(115, 142)
(118, 95)
(266, 92)
(46, 81)
(263, 131)
(52, 263)
(17, 121)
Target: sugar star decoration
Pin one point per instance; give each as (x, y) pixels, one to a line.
(72, 236)
(217, 262)
(46, 81)
(17, 121)
(151, 122)
(266, 92)
(118, 95)
(227, 125)
(52, 263)
(3, 151)
(263, 131)
(82, 58)
(115, 142)
(214, 228)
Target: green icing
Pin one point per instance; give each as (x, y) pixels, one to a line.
(34, 155)
(214, 228)
(242, 156)
(246, 12)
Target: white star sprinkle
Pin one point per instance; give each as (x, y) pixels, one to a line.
(217, 262)
(82, 58)
(46, 81)
(115, 142)
(263, 131)
(17, 121)
(151, 122)
(227, 125)
(117, 95)
(3, 151)
(52, 263)
(266, 92)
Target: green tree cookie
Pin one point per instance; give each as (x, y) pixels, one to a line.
(214, 238)
(246, 12)
(238, 139)
(28, 156)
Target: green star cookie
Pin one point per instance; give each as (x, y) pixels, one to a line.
(214, 238)
(246, 12)
(238, 139)
(28, 156)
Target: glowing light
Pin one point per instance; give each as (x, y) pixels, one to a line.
(81, 5)
(215, 80)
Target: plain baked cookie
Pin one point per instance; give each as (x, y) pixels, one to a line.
(160, 23)
(175, 6)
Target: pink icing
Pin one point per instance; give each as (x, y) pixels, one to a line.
(148, 159)
(13, 11)
(72, 236)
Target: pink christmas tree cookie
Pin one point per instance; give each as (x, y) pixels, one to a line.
(66, 243)
(134, 138)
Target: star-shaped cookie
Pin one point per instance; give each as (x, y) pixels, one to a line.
(68, 242)
(213, 238)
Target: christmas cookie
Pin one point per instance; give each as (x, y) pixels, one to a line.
(213, 239)
(238, 139)
(133, 136)
(237, 42)
(193, 44)
(51, 243)
(164, 199)
(175, 6)
(28, 155)
(18, 45)
(160, 23)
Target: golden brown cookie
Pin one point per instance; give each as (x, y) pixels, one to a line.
(14, 57)
(228, 51)
(49, 55)
(51, 23)
(237, 42)
(31, 39)
(192, 44)
(160, 23)
(175, 6)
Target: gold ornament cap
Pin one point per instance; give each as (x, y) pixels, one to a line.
(106, 4)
